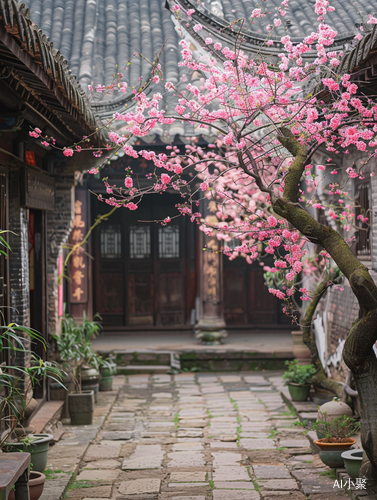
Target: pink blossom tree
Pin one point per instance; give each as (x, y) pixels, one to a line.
(270, 120)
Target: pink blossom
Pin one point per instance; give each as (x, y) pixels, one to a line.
(128, 182)
(198, 27)
(131, 206)
(165, 179)
(272, 221)
(68, 152)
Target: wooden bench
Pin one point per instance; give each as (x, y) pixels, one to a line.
(14, 471)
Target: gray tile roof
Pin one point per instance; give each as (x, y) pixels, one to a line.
(55, 88)
(97, 35)
(300, 15)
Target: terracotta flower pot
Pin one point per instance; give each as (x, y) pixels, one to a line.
(36, 485)
(331, 453)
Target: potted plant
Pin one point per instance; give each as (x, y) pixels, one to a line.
(331, 410)
(107, 371)
(90, 375)
(35, 444)
(36, 484)
(79, 359)
(337, 438)
(298, 378)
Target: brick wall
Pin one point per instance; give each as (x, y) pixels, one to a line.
(59, 225)
(373, 217)
(18, 266)
(342, 310)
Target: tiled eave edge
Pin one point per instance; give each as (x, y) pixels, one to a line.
(36, 52)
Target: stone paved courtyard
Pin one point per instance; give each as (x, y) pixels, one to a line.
(191, 437)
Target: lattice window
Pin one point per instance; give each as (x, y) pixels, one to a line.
(363, 246)
(111, 242)
(168, 242)
(140, 242)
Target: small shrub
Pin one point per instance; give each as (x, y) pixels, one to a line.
(298, 374)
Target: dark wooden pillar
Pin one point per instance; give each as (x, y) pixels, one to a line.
(211, 325)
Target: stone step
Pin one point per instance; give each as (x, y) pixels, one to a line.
(47, 416)
(135, 369)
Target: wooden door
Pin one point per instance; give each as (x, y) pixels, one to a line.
(140, 266)
(247, 301)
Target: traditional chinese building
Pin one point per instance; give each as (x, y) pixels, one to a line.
(143, 275)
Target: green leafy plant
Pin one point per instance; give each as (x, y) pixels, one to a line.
(298, 374)
(75, 347)
(14, 340)
(336, 430)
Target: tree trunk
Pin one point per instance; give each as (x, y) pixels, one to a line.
(320, 379)
(358, 351)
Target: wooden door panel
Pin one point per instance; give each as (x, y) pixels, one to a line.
(140, 299)
(110, 297)
(171, 299)
(262, 306)
(234, 296)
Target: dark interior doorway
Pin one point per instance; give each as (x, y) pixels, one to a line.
(37, 281)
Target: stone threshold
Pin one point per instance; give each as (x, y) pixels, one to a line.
(46, 417)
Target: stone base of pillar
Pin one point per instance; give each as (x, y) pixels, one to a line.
(211, 332)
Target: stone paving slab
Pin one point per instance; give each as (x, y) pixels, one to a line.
(185, 477)
(185, 459)
(235, 495)
(105, 476)
(271, 471)
(257, 444)
(218, 444)
(140, 486)
(239, 485)
(188, 498)
(278, 484)
(144, 457)
(294, 443)
(229, 473)
(187, 485)
(103, 464)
